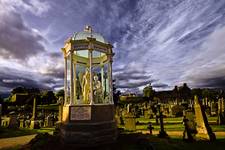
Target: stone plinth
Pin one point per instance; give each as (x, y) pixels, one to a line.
(88, 125)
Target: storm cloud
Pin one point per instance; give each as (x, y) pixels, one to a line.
(165, 43)
(17, 40)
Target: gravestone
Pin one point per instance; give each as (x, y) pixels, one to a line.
(162, 132)
(13, 121)
(34, 124)
(22, 125)
(49, 121)
(221, 112)
(213, 108)
(204, 131)
(130, 122)
(189, 125)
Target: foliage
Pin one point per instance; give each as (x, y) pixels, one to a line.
(148, 91)
(116, 93)
(185, 92)
(48, 97)
(177, 110)
(1, 100)
(60, 93)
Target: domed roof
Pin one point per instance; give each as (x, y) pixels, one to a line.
(88, 33)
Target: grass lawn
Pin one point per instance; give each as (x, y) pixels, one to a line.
(7, 133)
(174, 124)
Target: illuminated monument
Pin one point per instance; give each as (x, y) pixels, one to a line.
(88, 111)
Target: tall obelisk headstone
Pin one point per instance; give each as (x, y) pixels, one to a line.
(34, 123)
(204, 131)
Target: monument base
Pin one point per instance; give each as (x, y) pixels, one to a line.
(88, 125)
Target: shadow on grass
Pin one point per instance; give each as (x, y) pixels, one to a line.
(129, 141)
(7, 133)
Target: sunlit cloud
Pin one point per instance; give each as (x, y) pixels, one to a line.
(164, 43)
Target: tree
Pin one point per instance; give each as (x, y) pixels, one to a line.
(19, 90)
(197, 92)
(175, 93)
(185, 92)
(116, 94)
(48, 97)
(60, 93)
(1, 100)
(148, 91)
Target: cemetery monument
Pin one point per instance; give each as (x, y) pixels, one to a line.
(88, 110)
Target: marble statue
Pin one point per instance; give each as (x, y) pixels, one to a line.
(86, 87)
(97, 89)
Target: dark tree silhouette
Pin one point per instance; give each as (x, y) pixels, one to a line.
(148, 91)
(60, 93)
(48, 97)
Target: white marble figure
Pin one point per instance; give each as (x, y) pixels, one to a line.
(97, 89)
(86, 87)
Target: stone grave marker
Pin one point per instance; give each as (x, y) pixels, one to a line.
(130, 122)
(22, 125)
(190, 125)
(221, 112)
(13, 122)
(49, 121)
(34, 124)
(204, 131)
(162, 132)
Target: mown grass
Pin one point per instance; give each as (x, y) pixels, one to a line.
(174, 124)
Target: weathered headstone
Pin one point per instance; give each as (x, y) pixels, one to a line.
(204, 131)
(189, 125)
(13, 121)
(162, 132)
(49, 121)
(34, 124)
(130, 122)
(221, 112)
(22, 125)
(213, 108)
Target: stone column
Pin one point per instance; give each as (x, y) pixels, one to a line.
(71, 79)
(91, 79)
(34, 123)
(75, 83)
(110, 78)
(102, 78)
(65, 80)
(34, 109)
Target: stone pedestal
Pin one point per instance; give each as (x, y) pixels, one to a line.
(88, 125)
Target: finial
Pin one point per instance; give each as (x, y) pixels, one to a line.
(88, 28)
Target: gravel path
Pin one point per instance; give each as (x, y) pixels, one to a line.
(15, 141)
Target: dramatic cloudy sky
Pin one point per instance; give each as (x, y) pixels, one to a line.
(165, 42)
